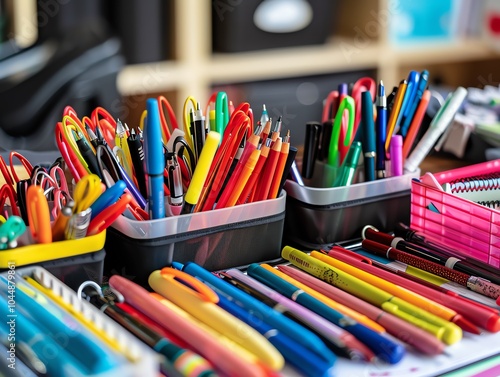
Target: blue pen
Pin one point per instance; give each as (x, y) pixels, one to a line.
(249, 303)
(408, 116)
(51, 319)
(108, 197)
(155, 162)
(384, 348)
(300, 357)
(409, 97)
(381, 131)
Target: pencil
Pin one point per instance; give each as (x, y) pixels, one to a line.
(393, 117)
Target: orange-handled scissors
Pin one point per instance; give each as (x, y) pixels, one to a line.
(38, 212)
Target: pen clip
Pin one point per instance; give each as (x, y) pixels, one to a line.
(190, 284)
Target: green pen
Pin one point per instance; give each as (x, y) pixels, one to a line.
(348, 168)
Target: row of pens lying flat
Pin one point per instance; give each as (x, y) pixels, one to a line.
(306, 313)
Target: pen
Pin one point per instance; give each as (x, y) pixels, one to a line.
(180, 324)
(435, 256)
(198, 132)
(108, 215)
(384, 348)
(184, 361)
(122, 143)
(87, 154)
(474, 283)
(155, 163)
(475, 313)
(415, 123)
(348, 167)
(381, 125)
(368, 136)
(137, 156)
(107, 198)
(396, 152)
(419, 238)
(311, 146)
(297, 355)
(363, 290)
(394, 114)
(176, 197)
(338, 340)
(289, 165)
(270, 316)
(410, 93)
(405, 331)
(410, 110)
(431, 312)
(200, 172)
(200, 301)
(441, 121)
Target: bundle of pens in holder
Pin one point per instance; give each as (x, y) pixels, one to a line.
(358, 162)
(45, 221)
(206, 188)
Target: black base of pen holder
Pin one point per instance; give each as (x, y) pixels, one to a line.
(216, 240)
(317, 216)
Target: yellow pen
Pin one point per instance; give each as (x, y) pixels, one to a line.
(369, 293)
(113, 343)
(361, 318)
(122, 144)
(199, 300)
(434, 313)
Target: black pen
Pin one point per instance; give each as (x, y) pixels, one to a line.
(198, 130)
(311, 146)
(87, 154)
(137, 155)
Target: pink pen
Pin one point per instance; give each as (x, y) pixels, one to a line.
(396, 150)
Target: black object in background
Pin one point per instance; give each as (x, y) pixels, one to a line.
(142, 27)
(246, 25)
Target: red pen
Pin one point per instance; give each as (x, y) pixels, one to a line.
(107, 216)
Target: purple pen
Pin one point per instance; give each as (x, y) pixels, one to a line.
(342, 341)
(396, 149)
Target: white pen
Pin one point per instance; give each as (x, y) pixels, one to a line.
(441, 121)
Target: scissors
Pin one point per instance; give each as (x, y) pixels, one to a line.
(7, 193)
(338, 149)
(38, 215)
(106, 125)
(364, 84)
(86, 191)
(55, 187)
(167, 132)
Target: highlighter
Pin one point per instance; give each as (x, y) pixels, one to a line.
(201, 171)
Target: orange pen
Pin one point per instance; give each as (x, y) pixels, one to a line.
(415, 123)
(264, 183)
(393, 117)
(107, 216)
(275, 185)
(38, 212)
(243, 177)
(249, 189)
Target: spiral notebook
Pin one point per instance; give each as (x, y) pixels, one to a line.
(483, 189)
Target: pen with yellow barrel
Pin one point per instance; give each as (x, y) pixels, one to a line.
(199, 300)
(449, 334)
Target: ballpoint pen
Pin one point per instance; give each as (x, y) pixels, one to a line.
(410, 110)
(474, 283)
(176, 197)
(476, 313)
(200, 301)
(107, 198)
(338, 340)
(410, 94)
(381, 128)
(435, 256)
(155, 162)
(300, 357)
(267, 314)
(414, 127)
(441, 121)
(399, 328)
(394, 113)
(87, 154)
(368, 136)
(311, 147)
(198, 124)
(121, 142)
(384, 348)
(137, 156)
